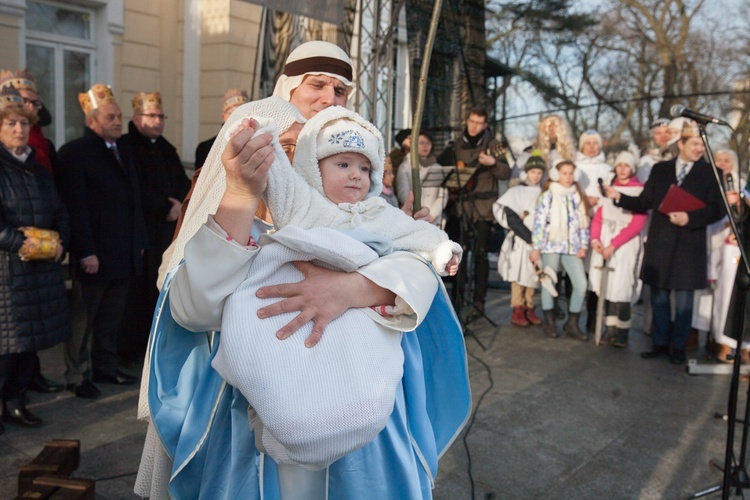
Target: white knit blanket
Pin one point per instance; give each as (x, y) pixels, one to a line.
(314, 405)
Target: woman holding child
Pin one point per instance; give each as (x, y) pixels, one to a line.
(215, 449)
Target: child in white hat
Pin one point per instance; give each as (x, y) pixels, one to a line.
(616, 238)
(311, 406)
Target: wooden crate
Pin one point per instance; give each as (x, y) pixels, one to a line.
(60, 457)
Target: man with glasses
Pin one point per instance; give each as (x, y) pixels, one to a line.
(163, 185)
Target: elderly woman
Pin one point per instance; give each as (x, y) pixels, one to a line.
(33, 223)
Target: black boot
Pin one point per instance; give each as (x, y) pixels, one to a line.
(548, 327)
(621, 339)
(571, 327)
(609, 334)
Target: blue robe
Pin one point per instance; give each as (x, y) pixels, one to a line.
(203, 422)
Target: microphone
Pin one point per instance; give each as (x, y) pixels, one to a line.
(601, 187)
(730, 183)
(680, 110)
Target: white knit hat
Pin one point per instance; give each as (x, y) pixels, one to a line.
(589, 134)
(314, 58)
(339, 130)
(627, 158)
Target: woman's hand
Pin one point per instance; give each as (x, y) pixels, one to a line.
(423, 214)
(322, 296)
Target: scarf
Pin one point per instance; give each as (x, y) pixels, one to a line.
(427, 161)
(472, 141)
(558, 221)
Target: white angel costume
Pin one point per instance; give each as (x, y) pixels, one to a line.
(513, 263)
(623, 284)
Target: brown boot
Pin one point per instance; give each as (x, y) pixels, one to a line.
(571, 327)
(548, 327)
(518, 316)
(532, 317)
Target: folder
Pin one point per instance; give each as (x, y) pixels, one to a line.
(679, 200)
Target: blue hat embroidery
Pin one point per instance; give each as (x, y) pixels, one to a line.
(350, 139)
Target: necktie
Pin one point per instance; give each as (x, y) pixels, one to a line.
(113, 148)
(682, 174)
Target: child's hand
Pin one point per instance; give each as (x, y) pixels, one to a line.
(607, 252)
(581, 254)
(452, 266)
(534, 256)
(597, 246)
(246, 160)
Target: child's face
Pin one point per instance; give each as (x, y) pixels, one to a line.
(591, 147)
(534, 176)
(388, 174)
(424, 146)
(346, 177)
(566, 175)
(623, 172)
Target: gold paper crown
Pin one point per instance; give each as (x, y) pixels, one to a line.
(98, 95)
(690, 129)
(20, 79)
(9, 96)
(143, 102)
(234, 97)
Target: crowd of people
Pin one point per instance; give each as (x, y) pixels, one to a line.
(240, 409)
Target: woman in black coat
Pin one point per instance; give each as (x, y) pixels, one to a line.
(33, 305)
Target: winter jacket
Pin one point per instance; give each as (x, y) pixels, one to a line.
(33, 304)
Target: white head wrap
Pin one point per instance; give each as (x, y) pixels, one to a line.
(627, 158)
(211, 183)
(337, 130)
(589, 134)
(314, 58)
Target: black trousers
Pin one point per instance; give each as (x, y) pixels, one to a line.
(93, 349)
(16, 372)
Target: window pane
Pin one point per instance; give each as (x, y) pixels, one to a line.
(41, 62)
(76, 68)
(58, 21)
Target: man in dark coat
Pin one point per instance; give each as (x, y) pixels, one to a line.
(476, 149)
(100, 188)
(675, 255)
(163, 185)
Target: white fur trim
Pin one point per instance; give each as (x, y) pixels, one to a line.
(321, 130)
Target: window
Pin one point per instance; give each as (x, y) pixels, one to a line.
(60, 53)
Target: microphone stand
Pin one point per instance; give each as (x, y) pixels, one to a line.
(734, 475)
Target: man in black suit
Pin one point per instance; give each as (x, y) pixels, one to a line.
(100, 188)
(674, 259)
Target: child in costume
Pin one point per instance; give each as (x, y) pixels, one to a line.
(313, 406)
(617, 242)
(561, 236)
(388, 193)
(514, 210)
